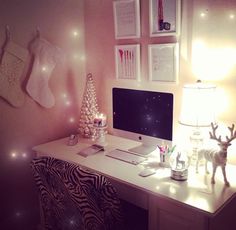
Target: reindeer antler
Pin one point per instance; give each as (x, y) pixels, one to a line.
(232, 134)
(213, 133)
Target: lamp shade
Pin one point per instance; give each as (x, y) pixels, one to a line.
(198, 105)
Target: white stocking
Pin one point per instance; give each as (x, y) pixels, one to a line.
(45, 58)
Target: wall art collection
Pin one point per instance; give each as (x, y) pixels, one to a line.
(163, 59)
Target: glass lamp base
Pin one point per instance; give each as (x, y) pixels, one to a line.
(196, 139)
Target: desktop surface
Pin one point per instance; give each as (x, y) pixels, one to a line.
(197, 192)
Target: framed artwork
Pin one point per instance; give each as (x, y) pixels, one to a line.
(127, 61)
(163, 62)
(164, 17)
(126, 19)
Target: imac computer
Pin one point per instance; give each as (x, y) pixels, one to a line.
(144, 116)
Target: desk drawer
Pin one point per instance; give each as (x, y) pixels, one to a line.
(130, 194)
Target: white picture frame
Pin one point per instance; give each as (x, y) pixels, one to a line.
(126, 19)
(164, 17)
(127, 59)
(163, 62)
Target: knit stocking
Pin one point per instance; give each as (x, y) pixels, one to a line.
(45, 58)
(11, 68)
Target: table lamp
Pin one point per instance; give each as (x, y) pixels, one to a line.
(198, 110)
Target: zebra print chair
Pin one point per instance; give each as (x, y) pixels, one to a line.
(72, 197)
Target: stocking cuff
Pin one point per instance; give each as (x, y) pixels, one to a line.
(16, 50)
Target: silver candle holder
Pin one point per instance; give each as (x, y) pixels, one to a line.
(99, 135)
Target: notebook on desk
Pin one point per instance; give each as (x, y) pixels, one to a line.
(126, 156)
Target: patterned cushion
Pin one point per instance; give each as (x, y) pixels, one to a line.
(72, 197)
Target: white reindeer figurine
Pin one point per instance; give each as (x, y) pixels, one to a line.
(217, 157)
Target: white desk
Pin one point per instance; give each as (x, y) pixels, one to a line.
(193, 204)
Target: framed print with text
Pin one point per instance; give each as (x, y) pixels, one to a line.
(164, 17)
(163, 62)
(127, 61)
(126, 19)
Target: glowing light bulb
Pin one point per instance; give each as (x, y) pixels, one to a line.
(231, 16)
(18, 214)
(72, 222)
(64, 95)
(68, 103)
(75, 33)
(24, 155)
(13, 154)
(71, 120)
(44, 69)
(202, 15)
(172, 190)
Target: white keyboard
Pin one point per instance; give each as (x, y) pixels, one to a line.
(126, 156)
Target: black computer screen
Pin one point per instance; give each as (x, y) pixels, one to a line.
(143, 112)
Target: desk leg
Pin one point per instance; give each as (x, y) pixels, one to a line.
(42, 220)
(152, 214)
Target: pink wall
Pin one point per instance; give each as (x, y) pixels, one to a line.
(22, 128)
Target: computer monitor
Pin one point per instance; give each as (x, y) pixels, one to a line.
(144, 116)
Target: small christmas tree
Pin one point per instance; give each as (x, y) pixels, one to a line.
(89, 109)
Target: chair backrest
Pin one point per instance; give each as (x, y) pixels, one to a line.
(72, 197)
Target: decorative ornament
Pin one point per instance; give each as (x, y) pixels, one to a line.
(179, 163)
(11, 69)
(89, 109)
(215, 156)
(46, 57)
